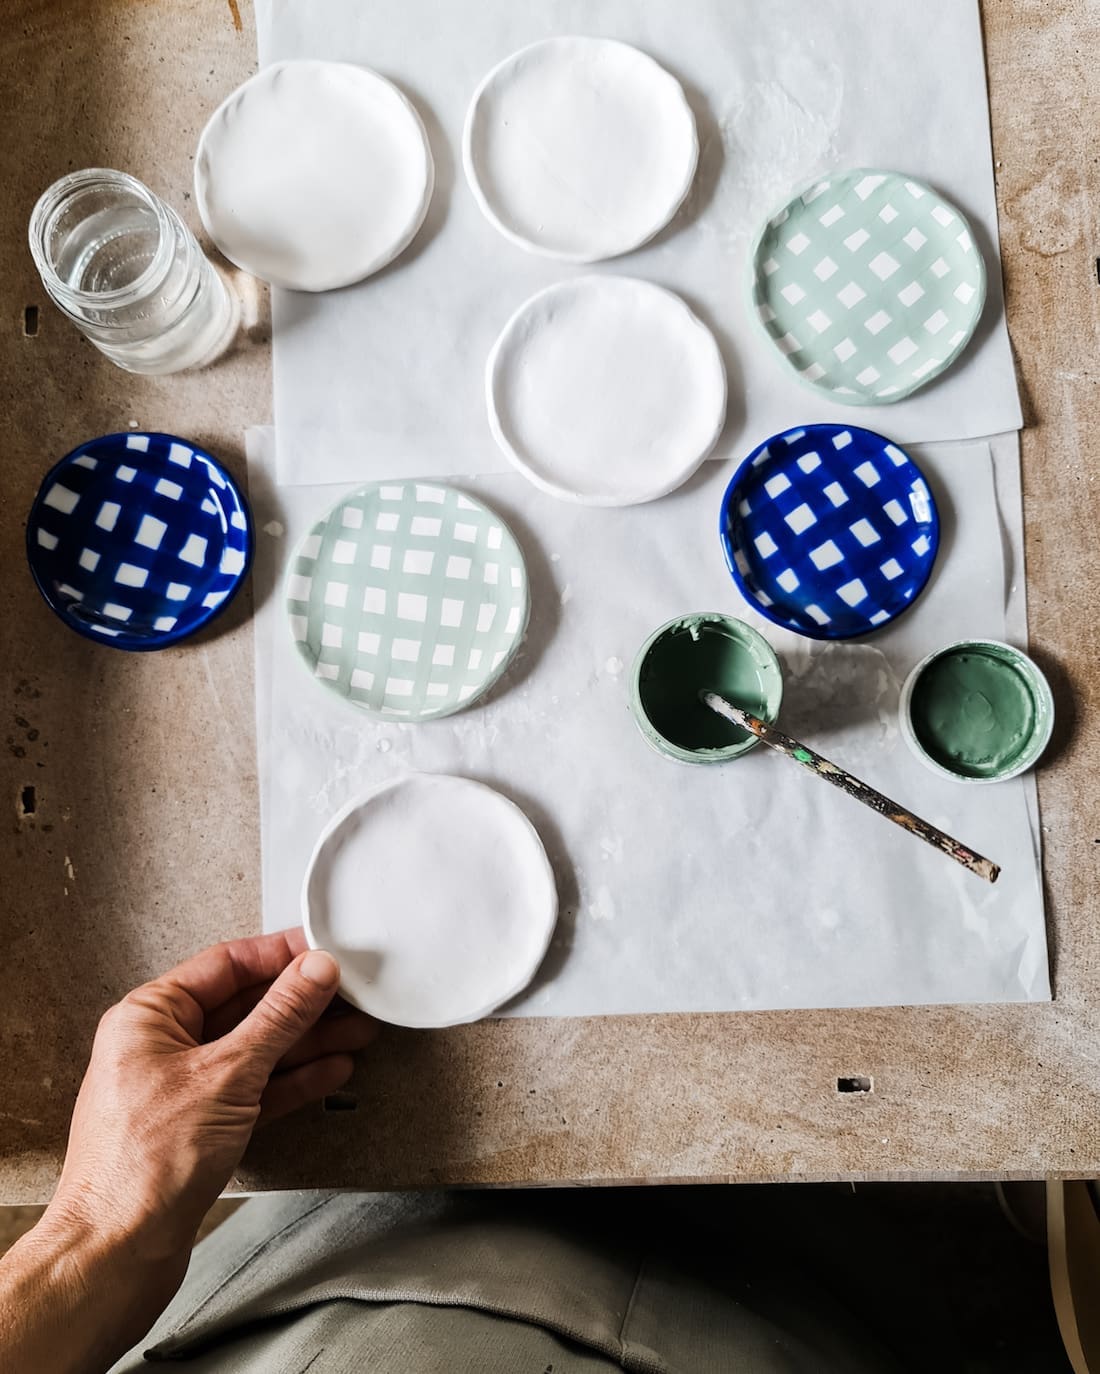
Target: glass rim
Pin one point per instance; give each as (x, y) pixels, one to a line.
(50, 202)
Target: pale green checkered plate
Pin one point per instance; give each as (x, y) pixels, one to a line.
(869, 285)
(409, 599)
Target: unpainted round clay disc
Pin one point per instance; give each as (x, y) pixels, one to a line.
(313, 175)
(435, 895)
(606, 391)
(580, 148)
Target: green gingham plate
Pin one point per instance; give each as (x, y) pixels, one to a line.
(409, 599)
(869, 284)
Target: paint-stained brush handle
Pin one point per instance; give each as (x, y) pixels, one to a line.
(769, 735)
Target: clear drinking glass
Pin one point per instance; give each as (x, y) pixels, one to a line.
(127, 271)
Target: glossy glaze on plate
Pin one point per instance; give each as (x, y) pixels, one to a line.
(829, 530)
(137, 540)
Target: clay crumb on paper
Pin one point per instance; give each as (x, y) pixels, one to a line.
(611, 847)
(603, 904)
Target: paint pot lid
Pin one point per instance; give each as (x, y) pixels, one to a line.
(435, 895)
(564, 381)
(408, 599)
(313, 175)
(580, 148)
(829, 530)
(138, 540)
(977, 711)
(868, 284)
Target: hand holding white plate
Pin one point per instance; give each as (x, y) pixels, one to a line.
(435, 895)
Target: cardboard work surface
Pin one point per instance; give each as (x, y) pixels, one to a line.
(142, 843)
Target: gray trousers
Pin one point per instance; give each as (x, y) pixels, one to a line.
(501, 1283)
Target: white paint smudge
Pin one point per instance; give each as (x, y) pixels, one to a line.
(611, 846)
(275, 528)
(70, 871)
(566, 594)
(613, 667)
(603, 906)
(384, 746)
(782, 131)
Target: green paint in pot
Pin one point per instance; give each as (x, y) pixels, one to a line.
(980, 710)
(696, 653)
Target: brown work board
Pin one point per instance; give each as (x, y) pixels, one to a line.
(129, 797)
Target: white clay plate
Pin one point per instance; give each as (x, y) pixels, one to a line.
(606, 391)
(313, 175)
(435, 895)
(580, 148)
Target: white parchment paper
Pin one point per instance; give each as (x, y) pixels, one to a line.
(745, 885)
(386, 378)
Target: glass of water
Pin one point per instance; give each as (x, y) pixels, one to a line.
(127, 271)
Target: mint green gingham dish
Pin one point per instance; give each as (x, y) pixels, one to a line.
(408, 599)
(869, 284)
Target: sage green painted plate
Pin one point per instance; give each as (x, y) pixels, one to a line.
(409, 599)
(869, 284)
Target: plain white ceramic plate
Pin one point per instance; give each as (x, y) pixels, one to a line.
(606, 391)
(313, 175)
(580, 148)
(435, 895)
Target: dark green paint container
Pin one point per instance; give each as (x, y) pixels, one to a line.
(977, 711)
(696, 653)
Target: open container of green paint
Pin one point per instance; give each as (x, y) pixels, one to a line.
(977, 711)
(707, 651)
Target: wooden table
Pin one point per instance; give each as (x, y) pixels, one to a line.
(143, 843)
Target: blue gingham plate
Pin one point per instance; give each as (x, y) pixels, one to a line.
(137, 540)
(829, 530)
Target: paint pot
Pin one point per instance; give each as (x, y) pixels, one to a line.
(696, 653)
(977, 711)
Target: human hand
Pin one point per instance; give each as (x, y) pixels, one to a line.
(181, 1071)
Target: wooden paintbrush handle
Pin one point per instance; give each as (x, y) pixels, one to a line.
(769, 735)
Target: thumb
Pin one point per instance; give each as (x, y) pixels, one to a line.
(289, 1008)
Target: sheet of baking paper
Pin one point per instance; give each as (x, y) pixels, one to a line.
(686, 888)
(386, 377)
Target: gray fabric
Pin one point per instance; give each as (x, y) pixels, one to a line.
(455, 1282)
(343, 1336)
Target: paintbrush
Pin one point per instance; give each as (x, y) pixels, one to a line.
(783, 744)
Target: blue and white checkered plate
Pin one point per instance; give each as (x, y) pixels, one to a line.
(137, 540)
(829, 530)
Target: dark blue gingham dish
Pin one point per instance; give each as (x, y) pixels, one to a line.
(138, 540)
(829, 530)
